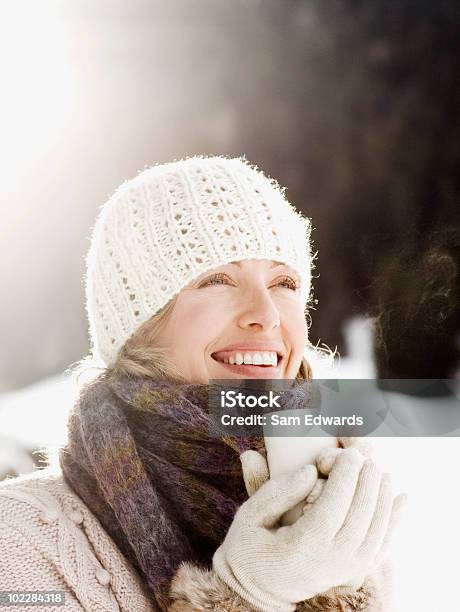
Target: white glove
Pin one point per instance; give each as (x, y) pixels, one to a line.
(337, 539)
(326, 459)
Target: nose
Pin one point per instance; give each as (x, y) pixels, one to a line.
(259, 310)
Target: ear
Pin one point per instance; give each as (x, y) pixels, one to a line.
(255, 470)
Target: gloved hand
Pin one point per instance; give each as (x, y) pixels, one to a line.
(326, 459)
(337, 539)
(256, 471)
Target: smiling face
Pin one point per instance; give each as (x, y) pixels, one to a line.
(244, 311)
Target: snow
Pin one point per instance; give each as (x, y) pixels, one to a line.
(36, 415)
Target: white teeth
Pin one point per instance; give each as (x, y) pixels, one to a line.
(269, 358)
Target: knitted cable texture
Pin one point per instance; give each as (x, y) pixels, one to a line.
(175, 221)
(50, 541)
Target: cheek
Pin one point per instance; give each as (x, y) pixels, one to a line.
(297, 328)
(196, 326)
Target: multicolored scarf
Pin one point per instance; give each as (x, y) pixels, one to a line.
(143, 455)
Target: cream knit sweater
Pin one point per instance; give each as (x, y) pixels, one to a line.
(50, 541)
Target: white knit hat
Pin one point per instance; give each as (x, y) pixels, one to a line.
(172, 223)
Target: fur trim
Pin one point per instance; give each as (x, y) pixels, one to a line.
(194, 589)
(347, 602)
(372, 596)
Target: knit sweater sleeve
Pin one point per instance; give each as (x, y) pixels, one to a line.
(194, 589)
(23, 567)
(50, 541)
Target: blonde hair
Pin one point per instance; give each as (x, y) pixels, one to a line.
(140, 356)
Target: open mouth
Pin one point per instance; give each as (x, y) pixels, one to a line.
(232, 362)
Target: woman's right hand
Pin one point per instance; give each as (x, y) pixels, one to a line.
(340, 537)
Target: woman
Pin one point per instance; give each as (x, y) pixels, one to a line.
(199, 269)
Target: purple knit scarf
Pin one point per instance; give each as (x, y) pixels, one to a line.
(141, 456)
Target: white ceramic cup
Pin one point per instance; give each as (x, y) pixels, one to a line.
(287, 454)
